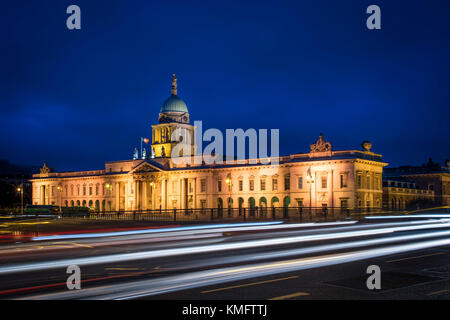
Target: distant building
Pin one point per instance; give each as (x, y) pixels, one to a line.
(320, 178)
(430, 176)
(403, 194)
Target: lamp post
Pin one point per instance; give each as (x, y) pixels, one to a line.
(229, 184)
(20, 189)
(60, 197)
(310, 181)
(108, 188)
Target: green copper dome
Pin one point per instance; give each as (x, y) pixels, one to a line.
(173, 104)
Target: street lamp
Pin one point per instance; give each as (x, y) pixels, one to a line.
(230, 185)
(20, 189)
(310, 181)
(60, 197)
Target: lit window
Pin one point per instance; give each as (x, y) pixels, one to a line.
(274, 184)
(203, 185)
(343, 181)
(324, 182)
(300, 182)
(287, 183)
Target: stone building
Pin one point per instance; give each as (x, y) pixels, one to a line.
(404, 194)
(322, 177)
(429, 176)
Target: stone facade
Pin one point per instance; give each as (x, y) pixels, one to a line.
(320, 178)
(339, 179)
(430, 176)
(405, 194)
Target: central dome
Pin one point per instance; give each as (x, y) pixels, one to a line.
(173, 104)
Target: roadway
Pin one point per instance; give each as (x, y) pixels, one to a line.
(245, 261)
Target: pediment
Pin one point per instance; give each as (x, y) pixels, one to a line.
(145, 167)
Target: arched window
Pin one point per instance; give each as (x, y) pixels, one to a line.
(219, 203)
(275, 201)
(251, 202)
(286, 201)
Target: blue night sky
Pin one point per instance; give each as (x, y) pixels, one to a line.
(79, 98)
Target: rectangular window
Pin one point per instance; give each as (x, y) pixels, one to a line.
(300, 182)
(368, 182)
(344, 203)
(84, 190)
(219, 185)
(358, 181)
(90, 191)
(241, 185)
(343, 180)
(324, 182)
(53, 191)
(263, 184)
(300, 203)
(96, 190)
(274, 184)
(203, 185)
(287, 183)
(252, 185)
(202, 204)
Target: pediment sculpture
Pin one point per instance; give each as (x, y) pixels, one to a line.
(45, 169)
(321, 145)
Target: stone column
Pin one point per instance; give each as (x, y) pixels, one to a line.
(163, 194)
(117, 196)
(135, 204)
(330, 188)
(195, 193)
(182, 193)
(144, 195)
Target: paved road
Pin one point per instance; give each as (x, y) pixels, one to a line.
(244, 261)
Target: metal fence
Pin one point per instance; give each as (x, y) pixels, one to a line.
(294, 214)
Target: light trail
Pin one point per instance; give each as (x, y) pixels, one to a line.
(209, 248)
(213, 228)
(316, 249)
(174, 236)
(144, 288)
(408, 216)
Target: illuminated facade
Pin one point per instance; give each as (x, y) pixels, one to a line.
(320, 178)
